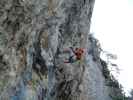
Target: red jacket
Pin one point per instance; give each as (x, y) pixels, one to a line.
(79, 53)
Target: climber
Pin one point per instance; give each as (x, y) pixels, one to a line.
(75, 55)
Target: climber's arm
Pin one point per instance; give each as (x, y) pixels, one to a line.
(74, 51)
(68, 49)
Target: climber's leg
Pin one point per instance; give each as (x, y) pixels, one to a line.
(71, 59)
(66, 61)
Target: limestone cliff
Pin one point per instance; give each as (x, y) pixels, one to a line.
(32, 35)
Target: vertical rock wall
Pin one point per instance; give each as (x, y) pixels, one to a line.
(32, 35)
(95, 80)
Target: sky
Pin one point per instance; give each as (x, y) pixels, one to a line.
(112, 25)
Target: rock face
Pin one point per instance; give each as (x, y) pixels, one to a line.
(97, 84)
(33, 34)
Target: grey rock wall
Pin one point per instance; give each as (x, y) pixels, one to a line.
(96, 83)
(32, 35)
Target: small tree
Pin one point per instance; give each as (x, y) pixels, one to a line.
(131, 95)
